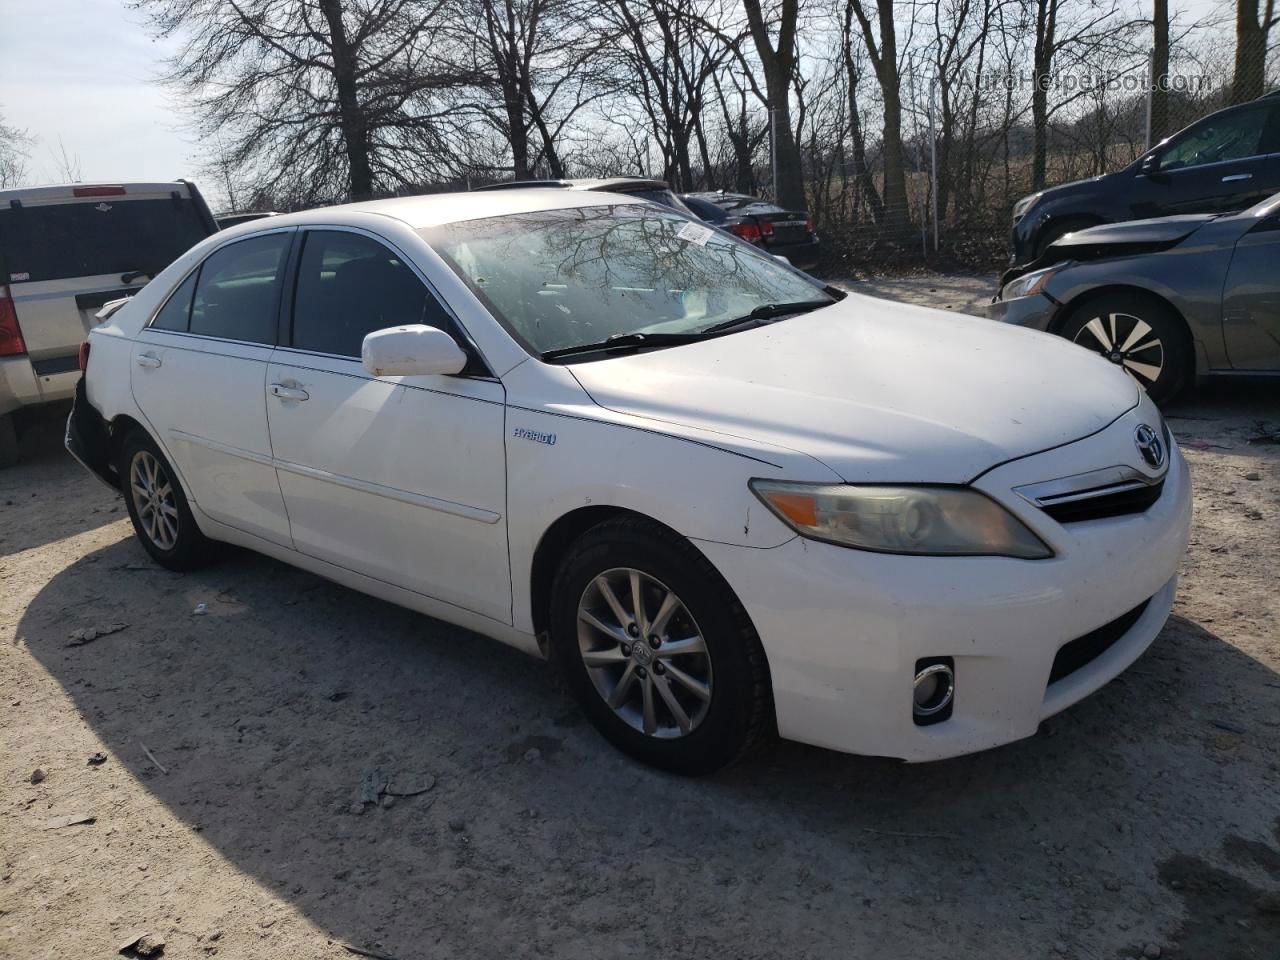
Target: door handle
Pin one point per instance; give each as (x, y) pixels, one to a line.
(148, 360)
(286, 392)
(1237, 176)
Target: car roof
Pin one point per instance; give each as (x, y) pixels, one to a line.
(435, 209)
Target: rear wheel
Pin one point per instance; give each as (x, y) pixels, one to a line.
(8, 441)
(656, 648)
(1142, 336)
(158, 507)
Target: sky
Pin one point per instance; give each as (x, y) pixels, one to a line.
(82, 74)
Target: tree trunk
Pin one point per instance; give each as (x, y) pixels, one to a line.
(777, 65)
(1041, 78)
(1251, 53)
(351, 118)
(884, 58)
(1159, 71)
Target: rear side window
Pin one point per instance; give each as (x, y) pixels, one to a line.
(238, 291)
(176, 313)
(706, 210)
(87, 238)
(349, 286)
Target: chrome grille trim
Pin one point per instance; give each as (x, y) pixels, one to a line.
(1086, 486)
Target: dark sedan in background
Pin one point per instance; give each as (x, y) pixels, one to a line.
(1227, 161)
(1167, 299)
(782, 232)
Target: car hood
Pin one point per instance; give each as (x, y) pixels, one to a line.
(1160, 230)
(877, 391)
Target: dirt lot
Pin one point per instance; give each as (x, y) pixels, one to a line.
(1146, 819)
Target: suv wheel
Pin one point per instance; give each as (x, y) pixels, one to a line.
(656, 648)
(158, 507)
(1140, 335)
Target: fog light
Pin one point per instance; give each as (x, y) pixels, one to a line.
(934, 688)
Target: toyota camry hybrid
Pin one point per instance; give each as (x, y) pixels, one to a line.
(722, 497)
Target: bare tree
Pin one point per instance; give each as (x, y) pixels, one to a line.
(15, 147)
(883, 53)
(777, 62)
(1254, 23)
(320, 99)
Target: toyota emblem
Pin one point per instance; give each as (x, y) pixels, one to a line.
(1149, 445)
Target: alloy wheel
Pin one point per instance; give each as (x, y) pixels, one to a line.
(153, 499)
(644, 653)
(1127, 341)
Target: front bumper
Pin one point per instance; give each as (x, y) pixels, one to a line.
(843, 629)
(1036, 311)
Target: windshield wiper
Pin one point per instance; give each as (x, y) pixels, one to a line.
(767, 311)
(626, 341)
(635, 341)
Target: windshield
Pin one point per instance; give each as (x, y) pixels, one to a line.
(562, 278)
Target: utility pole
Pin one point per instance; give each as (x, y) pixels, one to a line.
(1151, 92)
(933, 158)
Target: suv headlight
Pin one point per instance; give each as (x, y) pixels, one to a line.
(1022, 206)
(932, 521)
(1027, 284)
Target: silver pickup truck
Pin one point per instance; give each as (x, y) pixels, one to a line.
(64, 252)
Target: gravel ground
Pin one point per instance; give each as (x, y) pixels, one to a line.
(224, 759)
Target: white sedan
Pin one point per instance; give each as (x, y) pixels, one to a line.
(721, 496)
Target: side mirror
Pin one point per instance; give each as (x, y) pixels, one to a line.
(781, 258)
(416, 350)
(1150, 165)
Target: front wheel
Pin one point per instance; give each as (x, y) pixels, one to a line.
(158, 507)
(1141, 336)
(656, 648)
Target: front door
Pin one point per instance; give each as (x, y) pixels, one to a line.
(1226, 162)
(1251, 299)
(199, 373)
(399, 478)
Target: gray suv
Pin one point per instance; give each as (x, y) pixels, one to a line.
(65, 251)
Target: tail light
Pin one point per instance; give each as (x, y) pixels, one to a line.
(766, 229)
(11, 342)
(84, 355)
(810, 225)
(747, 231)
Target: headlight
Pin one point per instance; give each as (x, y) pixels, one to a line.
(1027, 284)
(937, 521)
(1022, 206)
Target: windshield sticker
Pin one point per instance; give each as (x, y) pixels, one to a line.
(695, 233)
(19, 277)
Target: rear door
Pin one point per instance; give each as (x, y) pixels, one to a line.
(199, 376)
(1251, 299)
(399, 478)
(65, 253)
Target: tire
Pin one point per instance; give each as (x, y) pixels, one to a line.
(169, 533)
(1056, 231)
(1145, 337)
(8, 441)
(718, 648)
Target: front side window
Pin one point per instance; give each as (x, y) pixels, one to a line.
(1235, 136)
(562, 278)
(349, 286)
(238, 290)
